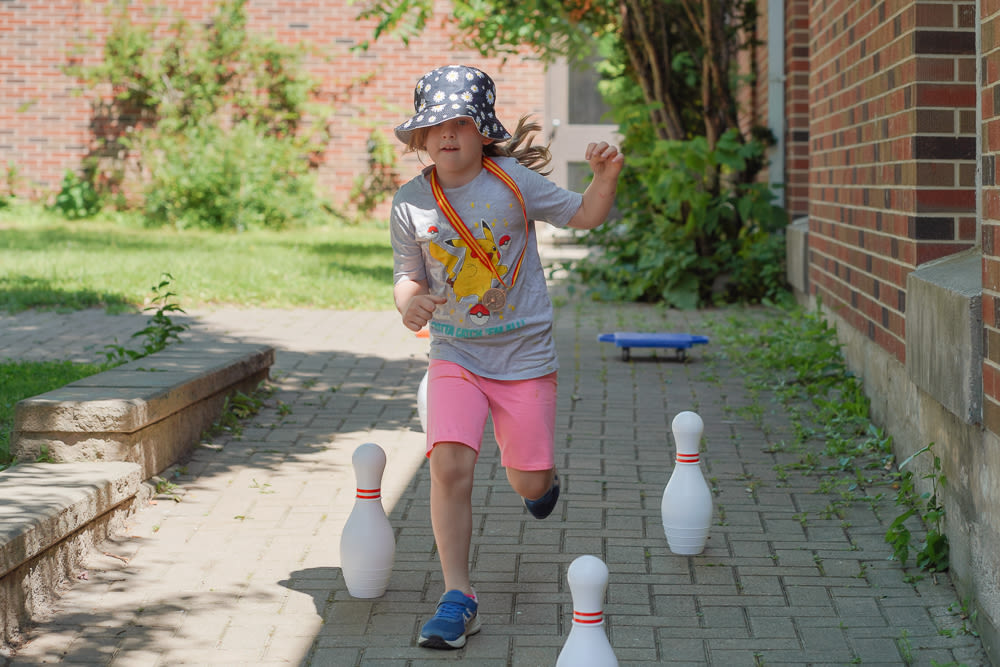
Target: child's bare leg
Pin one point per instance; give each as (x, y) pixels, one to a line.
(452, 468)
(530, 484)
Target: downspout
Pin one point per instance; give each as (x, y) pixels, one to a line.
(776, 95)
(979, 126)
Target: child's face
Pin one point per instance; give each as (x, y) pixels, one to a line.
(456, 147)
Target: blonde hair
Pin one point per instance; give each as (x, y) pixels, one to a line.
(520, 147)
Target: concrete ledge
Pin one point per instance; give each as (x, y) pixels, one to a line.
(50, 516)
(109, 432)
(944, 344)
(797, 255)
(149, 411)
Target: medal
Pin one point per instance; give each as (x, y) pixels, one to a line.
(494, 299)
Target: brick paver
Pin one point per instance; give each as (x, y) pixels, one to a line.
(243, 568)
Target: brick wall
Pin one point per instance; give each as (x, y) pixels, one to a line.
(755, 102)
(796, 108)
(990, 21)
(45, 116)
(892, 152)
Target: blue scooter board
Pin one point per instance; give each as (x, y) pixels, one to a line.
(626, 340)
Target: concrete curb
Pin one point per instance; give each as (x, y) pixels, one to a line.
(107, 433)
(149, 411)
(51, 515)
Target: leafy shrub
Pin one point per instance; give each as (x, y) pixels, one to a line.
(382, 178)
(696, 225)
(77, 197)
(207, 177)
(11, 180)
(690, 233)
(222, 124)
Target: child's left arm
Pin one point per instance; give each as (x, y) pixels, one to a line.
(598, 198)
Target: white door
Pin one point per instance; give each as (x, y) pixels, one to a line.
(575, 116)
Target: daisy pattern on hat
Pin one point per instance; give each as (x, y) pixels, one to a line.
(450, 92)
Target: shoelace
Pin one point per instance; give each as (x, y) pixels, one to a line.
(452, 611)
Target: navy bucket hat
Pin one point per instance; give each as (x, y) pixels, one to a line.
(451, 92)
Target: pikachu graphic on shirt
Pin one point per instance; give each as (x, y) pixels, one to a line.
(468, 275)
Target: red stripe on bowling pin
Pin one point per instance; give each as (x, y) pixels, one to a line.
(687, 458)
(370, 494)
(588, 617)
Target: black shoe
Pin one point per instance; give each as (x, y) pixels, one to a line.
(543, 507)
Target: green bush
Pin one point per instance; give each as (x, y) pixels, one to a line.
(382, 178)
(696, 226)
(77, 197)
(236, 179)
(223, 124)
(691, 233)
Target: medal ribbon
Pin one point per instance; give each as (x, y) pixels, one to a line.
(456, 220)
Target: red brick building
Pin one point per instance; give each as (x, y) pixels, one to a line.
(891, 125)
(45, 116)
(887, 114)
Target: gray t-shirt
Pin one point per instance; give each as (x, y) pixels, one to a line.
(513, 342)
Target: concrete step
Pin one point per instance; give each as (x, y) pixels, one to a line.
(105, 434)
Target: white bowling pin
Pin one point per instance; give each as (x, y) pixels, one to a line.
(422, 403)
(587, 644)
(687, 500)
(367, 545)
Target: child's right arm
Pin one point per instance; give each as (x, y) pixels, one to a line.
(415, 303)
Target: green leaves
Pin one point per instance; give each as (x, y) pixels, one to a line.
(934, 554)
(77, 198)
(549, 28)
(232, 179)
(688, 225)
(215, 115)
(160, 332)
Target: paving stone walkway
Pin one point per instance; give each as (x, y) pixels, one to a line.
(237, 561)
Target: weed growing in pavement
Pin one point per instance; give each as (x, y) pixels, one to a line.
(162, 330)
(44, 455)
(933, 555)
(905, 647)
(264, 487)
(966, 615)
(164, 487)
(237, 407)
(797, 359)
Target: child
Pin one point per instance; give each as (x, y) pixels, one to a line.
(467, 266)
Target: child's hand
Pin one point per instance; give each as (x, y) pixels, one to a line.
(420, 309)
(605, 160)
(607, 163)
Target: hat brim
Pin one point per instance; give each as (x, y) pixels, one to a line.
(491, 128)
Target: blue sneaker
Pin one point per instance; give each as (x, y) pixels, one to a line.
(543, 507)
(454, 620)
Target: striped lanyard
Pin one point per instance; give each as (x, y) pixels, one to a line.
(470, 241)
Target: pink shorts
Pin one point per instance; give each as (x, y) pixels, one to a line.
(523, 411)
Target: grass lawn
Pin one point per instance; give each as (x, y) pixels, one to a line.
(49, 262)
(20, 380)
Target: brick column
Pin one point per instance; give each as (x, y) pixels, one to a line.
(990, 22)
(797, 108)
(892, 152)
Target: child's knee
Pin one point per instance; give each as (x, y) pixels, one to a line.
(530, 484)
(452, 464)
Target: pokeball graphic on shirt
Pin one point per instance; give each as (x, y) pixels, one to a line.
(479, 314)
